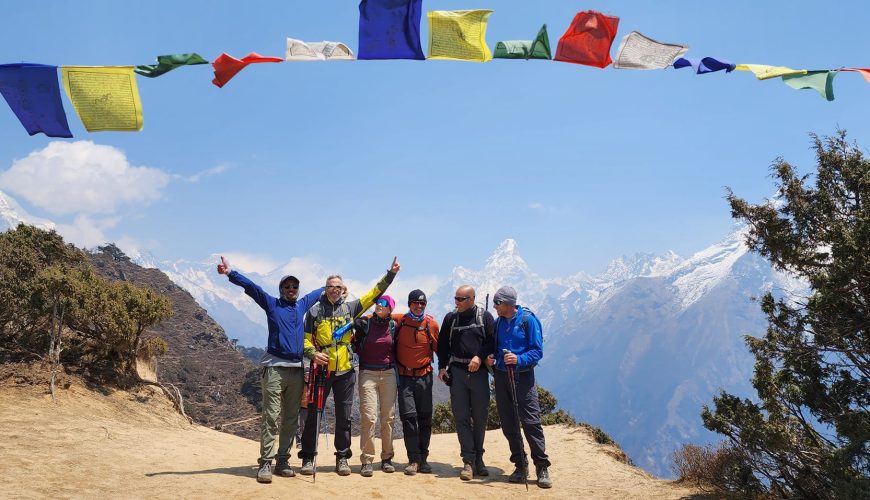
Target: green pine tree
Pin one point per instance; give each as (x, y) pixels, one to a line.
(807, 434)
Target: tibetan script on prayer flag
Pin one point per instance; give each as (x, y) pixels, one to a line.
(297, 50)
(588, 39)
(764, 72)
(704, 65)
(637, 51)
(32, 91)
(539, 48)
(820, 81)
(165, 64)
(390, 29)
(458, 35)
(105, 97)
(227, 66)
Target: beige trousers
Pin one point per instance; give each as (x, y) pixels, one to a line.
(377, 398)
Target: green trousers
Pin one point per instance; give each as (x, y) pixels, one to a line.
(282, 392)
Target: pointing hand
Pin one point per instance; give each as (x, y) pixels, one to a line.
(224, 266)
(395, 267)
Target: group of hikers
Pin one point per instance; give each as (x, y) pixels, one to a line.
(394, 354)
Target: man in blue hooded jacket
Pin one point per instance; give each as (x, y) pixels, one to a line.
(519, 345)
(282, 377)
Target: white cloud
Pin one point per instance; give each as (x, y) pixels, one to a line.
(82, 177)
(87, 232)
(543, 208)
(205, 173)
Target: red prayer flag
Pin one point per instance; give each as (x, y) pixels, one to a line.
(588, 39)
(226, 66)
(865, 72)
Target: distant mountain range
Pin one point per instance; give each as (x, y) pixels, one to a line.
(636, 350)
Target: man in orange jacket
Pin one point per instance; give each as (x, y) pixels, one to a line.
(416, 342)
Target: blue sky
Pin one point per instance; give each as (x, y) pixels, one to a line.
(350, 163)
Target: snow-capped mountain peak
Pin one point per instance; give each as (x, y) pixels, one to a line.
(506, 256)
(11, 214)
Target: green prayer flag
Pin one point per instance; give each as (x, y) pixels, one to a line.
(539, 48)
(820, 81)
(166, 64)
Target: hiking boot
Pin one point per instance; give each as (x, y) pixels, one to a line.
(366, 470)
(283, 469)
(467, 472)
(307, 467)
(341, 467)
(387, 466)
(480, 469)
(544, 480)
(264, 473)
(424, 468)
(518, 475)
(411, 469)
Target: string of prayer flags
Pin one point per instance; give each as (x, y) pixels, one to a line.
(820, 81)
(297, 50)
(390, 29)
(32, 91)
(165, 64)
(637, 51)
(588, 39)
(539, 48)
(865, 72)
(105, 97)
(765, 72)
(705, 65)
(458, 35)
(227, 66)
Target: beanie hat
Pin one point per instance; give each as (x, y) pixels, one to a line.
(507, 295)
(390, 302)
(416, 295)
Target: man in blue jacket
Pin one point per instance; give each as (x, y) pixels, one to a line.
(282, 377)
(520, 345)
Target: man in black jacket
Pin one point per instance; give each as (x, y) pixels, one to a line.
(466, 340)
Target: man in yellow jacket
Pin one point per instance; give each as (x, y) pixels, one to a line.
(328, 315)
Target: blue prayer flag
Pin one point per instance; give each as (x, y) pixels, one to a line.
(390, 29)
(705, 65)
(33, 93)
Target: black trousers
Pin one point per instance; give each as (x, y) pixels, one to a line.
(341, 387)
(469, 400)
(415, 410)
(530, 417)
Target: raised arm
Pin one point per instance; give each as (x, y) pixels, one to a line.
(369, 298)
(263, 299)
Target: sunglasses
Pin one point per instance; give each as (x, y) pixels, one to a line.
(497, 302)
(417, 302)
(461, 299)
(382, 303)
(290, 287)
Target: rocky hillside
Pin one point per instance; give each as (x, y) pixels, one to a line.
(218, 384)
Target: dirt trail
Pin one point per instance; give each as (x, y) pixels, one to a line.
(125, 445)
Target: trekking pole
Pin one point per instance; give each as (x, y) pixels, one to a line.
(513, 384)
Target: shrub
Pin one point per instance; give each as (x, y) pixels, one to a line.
(721, 469)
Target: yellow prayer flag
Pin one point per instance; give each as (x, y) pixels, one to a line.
(105, 97)
(459, 35)
(765, 72)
